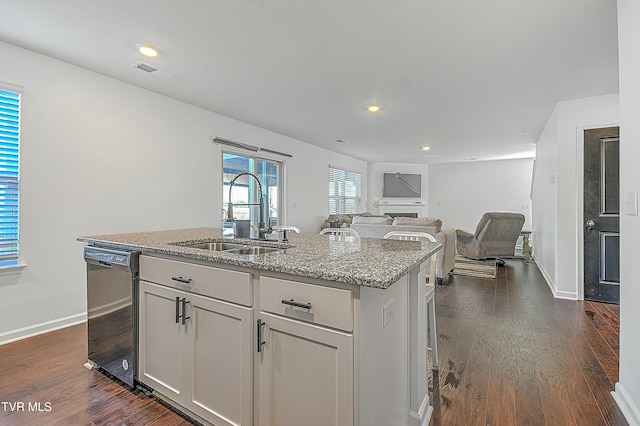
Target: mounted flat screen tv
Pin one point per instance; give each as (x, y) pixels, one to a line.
(404, 185)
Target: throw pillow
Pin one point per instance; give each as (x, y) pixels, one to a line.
(418, 221)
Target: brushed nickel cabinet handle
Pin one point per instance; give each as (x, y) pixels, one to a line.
(261, 341)
(292, 302)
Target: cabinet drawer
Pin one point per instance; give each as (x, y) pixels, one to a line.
(331, 307)
(223, 284)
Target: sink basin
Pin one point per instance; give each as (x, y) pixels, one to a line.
(216, 246)
(235, 248)
(254, 250)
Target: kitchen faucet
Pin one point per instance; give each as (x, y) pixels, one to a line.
(262, 229)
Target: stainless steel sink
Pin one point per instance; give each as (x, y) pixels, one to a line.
(215, 246)
(254, 250)
(235, 248)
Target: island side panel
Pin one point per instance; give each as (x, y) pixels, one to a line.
(384, 354)
(420, 409)
(391, 356)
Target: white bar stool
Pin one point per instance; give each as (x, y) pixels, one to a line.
(430, 291)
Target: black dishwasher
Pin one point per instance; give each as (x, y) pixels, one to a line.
(112, 311)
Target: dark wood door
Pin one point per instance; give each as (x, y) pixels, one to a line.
(602, 215)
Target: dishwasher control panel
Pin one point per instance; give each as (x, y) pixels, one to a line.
(107, 256)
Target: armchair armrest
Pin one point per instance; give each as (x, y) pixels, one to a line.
(464, 236)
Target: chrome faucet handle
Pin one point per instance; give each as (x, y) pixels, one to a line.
(283, 235)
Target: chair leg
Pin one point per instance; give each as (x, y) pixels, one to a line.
(500, 262)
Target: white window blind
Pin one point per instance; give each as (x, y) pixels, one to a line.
(9, 173)
(344, 191)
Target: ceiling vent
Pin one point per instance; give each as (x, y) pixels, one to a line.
(151, 70)
(145, 67)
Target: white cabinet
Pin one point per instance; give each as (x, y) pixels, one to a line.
(313, 353)
(340, 355)
(196, 350)
(162, 346)
(305, 369)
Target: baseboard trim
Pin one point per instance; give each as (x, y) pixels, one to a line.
(545, 275)
(626, 405)
(44, 327)
(569, 295)
(423, 416)
(557, 294)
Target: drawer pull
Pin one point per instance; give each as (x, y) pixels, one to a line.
(261, 341)
(184, 311)
(292, 302)
(182, 280)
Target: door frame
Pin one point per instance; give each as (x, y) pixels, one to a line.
(580, 203)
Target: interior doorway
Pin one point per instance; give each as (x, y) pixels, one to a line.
(601, 213)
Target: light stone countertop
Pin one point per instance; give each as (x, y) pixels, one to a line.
(371, 262)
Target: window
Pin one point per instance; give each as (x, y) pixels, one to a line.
(9, 175)
(344, 191)
(245, 189)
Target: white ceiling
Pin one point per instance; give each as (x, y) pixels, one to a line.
(470, 78)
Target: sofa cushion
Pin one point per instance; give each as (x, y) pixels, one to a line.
(373, 220)
(418, 221)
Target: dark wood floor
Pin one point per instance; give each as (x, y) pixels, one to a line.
(510, 354)
(48, 369)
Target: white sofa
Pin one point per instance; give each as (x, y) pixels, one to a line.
(445, 258)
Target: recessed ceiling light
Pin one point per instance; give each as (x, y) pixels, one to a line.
(426, 148)
(373, 108)
(148, 50)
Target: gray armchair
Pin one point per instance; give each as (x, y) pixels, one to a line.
(495, 237)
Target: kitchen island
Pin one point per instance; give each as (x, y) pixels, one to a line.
(320, 330)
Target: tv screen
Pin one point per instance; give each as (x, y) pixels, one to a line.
(402, 185)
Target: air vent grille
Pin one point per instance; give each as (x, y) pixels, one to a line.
(152, 70)
(145, 67)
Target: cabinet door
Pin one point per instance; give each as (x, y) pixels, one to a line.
(220, 361)
(161, 341)
(306, 374)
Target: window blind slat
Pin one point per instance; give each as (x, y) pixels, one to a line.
(9, 174)
(344, 191)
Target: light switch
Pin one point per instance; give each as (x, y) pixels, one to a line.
(632, 203)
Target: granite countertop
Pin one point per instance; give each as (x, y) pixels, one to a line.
(371, 262)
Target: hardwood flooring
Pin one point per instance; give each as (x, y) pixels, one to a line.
(510, 354)
(46, 375)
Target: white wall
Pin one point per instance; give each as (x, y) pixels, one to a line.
(375, 183)
(100, 156)
(627, 392)
(460, 193)
(558, 205)
(544, 212)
